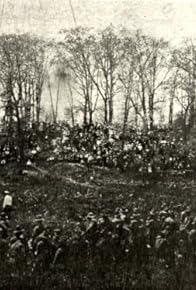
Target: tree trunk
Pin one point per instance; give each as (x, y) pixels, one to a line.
(20, 138)
(136, 118)
(184, 130)
(106, 111)
(85, 111)
(171, 111)
(51, 100)
(57, 99)
(111, 110)
(126, 115)
(192, 106)
(192, 95)
(145, 120)
(90, 117)
(151, 112)
(72, 117)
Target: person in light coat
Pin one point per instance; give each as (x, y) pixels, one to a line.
(7, 204)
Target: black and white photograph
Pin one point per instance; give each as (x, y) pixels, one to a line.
(97, 144)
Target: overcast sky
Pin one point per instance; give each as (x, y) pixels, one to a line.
(172, 19)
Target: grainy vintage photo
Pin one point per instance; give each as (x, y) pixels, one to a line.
(98, 144)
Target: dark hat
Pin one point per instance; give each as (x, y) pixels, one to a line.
(18, 230)
(3, 215)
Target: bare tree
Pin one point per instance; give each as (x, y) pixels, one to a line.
(76, 54)
(184, 59)
(152, 72)
(171, 88)
(126, 83)
(71, 108)
(106, 55)
(22, 76)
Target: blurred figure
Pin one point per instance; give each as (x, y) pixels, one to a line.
(7, 203)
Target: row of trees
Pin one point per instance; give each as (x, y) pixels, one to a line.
(22, 61)
(105, 72)
(145, 76)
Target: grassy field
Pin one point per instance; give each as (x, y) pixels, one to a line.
(70, 190)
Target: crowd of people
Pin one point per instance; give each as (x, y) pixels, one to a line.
(141, 152)
(138, 151)
(136, 237)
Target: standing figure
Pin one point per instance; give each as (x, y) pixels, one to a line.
(7, 203)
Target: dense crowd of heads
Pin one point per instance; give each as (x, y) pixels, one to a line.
(138, 238)
(139, 151)
(164, 236)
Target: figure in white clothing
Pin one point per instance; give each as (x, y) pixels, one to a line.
(8, 203)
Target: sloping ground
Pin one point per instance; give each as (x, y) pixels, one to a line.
(63, 190)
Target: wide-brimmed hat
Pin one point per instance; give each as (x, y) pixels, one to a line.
(18, 230)
(188, 209)
(169, 220)
(90, 215)
(39, 218)
(6, 192)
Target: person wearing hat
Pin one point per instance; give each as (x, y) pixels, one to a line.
(91, 232)
(90, 218)
(41, 242)
(17, 251)
(18, 234)
(37, 230)
(55, 240)
(7, 203)
(60, 256)
(4, 225)
(39, 226)
(160, 245)
(186, 219)
(43, 250)
(151, 230)
(192, 240)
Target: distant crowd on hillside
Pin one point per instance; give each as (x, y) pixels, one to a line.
(95, 144)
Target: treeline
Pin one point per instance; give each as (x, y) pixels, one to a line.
(144, 76)
(110, 75)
